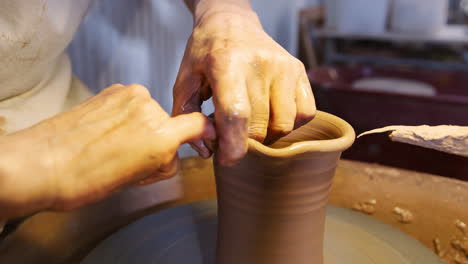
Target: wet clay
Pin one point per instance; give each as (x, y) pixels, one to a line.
(271, 205)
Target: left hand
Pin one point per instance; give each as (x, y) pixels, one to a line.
(118, 138)
(259, 90)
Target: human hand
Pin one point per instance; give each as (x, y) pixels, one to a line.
(259, 90)
(118, 138)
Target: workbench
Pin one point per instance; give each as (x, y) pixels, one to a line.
(430, 208)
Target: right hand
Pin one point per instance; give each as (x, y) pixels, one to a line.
(259, 90)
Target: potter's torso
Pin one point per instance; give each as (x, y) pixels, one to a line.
(36, 80)
(35, 74)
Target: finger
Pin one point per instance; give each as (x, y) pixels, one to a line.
(186, 93)
(282, 108)
(187, 99)
(305, 102)
(190, 127)
(258, 90)
(179, 130)
(201, 147)
(211, 144)
(232, 112)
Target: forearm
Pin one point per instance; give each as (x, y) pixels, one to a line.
(205, 8)
(24, 174)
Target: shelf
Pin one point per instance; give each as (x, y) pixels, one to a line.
(452, 34)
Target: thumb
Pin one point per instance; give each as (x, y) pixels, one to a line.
(187, 99)
(191, 127)
(186, 94)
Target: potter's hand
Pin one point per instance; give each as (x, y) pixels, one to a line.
(118, 138)
(259, 90)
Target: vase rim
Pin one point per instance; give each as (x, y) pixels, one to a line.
(338, 144)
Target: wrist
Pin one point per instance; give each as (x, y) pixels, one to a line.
(230, 10)
(26, 174)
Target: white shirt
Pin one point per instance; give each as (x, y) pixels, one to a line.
(35, 73)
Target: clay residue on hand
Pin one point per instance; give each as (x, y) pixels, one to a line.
(367, 207)
(404, 216)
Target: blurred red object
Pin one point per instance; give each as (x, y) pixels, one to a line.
(366, 110)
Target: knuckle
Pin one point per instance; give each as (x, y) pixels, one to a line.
(282, 128)
(145, 111)
(259, 122)
(263, 56)
(298, 66)
(236, 112)
(258, 126)
(258, 132)
(116, 86)
(221, 57)
(282, 60)
(137, 90)
(298, 63)
(112, 89)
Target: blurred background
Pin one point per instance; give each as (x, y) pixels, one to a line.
(372, 62)
(390, 62)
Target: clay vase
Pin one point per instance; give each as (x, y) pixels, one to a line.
(271, 205)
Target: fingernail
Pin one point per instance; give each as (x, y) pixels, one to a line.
(210, 145)
(200, 147)
(195, 147)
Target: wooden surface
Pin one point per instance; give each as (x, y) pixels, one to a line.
(437, 206)
(435, 203)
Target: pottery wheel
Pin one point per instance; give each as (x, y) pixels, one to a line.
(187, 234)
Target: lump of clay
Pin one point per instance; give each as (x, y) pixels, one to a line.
(449, 139)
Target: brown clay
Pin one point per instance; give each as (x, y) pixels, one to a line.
(272, 204)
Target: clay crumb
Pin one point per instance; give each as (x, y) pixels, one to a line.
(367, 207)
(459, 259)
(404, 216)
(461, 226)
(461, 246)
(382, 171)
(438, 248)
